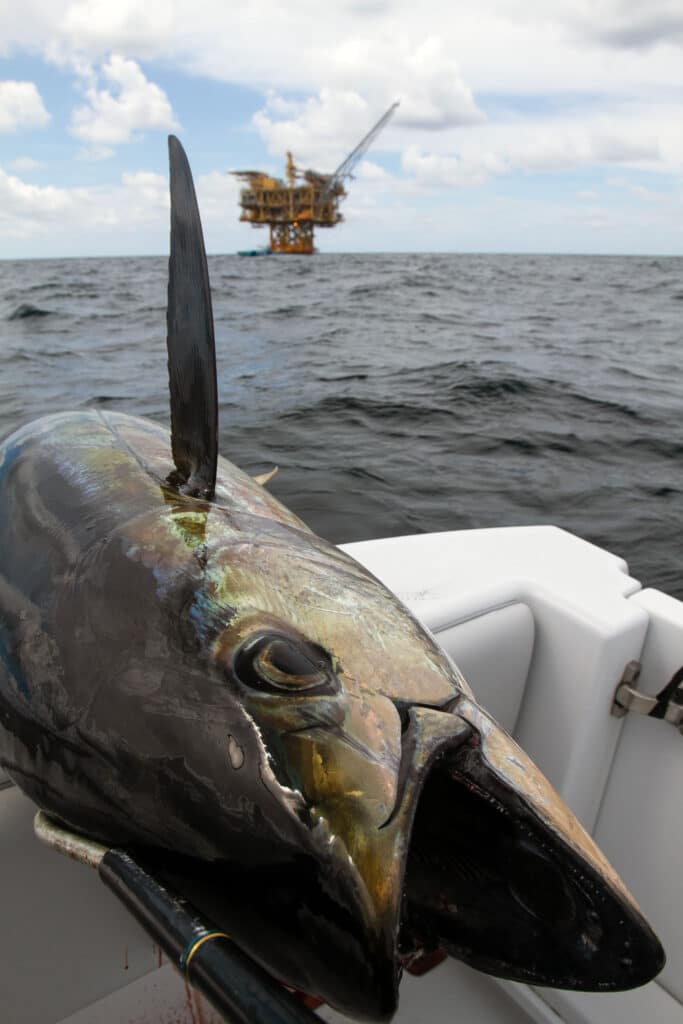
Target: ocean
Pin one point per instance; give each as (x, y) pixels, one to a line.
(397, 393)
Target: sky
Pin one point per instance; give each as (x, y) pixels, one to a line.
(523, 126)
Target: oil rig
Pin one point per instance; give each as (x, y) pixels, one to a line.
(305, 200)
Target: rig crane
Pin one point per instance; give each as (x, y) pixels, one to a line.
(292, 208)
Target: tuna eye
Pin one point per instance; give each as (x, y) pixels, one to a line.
(278, 663)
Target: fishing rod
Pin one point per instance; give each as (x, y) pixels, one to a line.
(235, 985)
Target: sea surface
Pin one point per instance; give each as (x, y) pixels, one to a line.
(397, 393)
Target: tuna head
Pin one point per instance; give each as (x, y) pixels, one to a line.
(407, 820)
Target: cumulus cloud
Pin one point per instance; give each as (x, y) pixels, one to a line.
(28, 210)
(369, 171)
(595, 219)
(623, 148)
(631, 24)
(641, 192)
(94, 217)
(422, 72)
(487, 87)
(521, 45)
(629, 136)
(648, 195)
(21, 106)
(151, 188)
(217, 195)
(94, 24)
(434, 95)
(633, 134)
(443, 171)
(132, 104)
(547, 146)
(321, 129)
(95, 153)
(24, 206)
(326, 126)
(536, 148)
(25, 163)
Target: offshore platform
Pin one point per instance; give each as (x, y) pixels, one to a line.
(306, 200)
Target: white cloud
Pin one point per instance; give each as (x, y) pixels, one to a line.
(631, 24)
(135, 104)
(443, 171)
(217, 194)
(28, 210)
(621, 135)
(24, 206)
(25, 163)
(93, 24)
(94, 154)
(648, 195)
(325, 127)
(572, 84)
(433, 92)
(150, 187)
(623, 148)
(595, 218)
(21, 106)
(369, 171)
(422, 72)
(500, 45)
(320, 130)
(642, 192)
(625, 134)
(130, 214)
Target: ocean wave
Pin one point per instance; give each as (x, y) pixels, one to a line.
(26, 310)
(399, 393)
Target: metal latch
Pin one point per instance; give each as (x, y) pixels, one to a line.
(667, 705)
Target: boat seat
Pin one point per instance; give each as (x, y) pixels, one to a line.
(584, 633)
(551, 681)
(493, 651)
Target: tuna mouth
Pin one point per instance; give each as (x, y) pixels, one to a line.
(480, 860)
(490, 883)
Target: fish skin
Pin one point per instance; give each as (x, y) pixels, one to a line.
(123, 626)
(123, 607)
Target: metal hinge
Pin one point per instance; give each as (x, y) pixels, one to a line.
(667, 705)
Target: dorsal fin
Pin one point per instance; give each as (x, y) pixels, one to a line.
(190, 340)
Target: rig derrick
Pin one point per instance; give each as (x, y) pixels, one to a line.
(304, 200)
